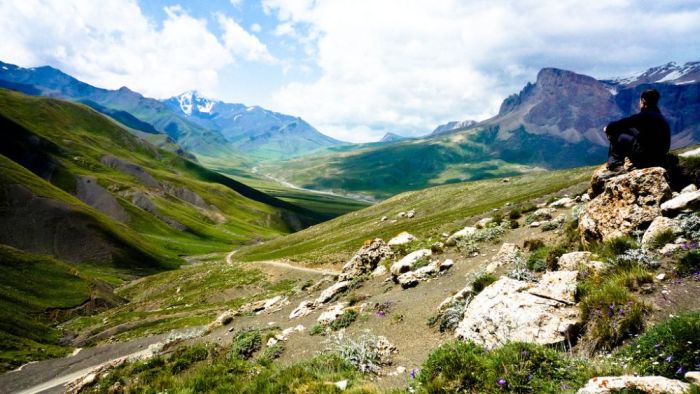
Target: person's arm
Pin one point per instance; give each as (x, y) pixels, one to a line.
(615, 128)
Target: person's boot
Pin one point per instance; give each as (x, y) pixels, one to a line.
(611, 172)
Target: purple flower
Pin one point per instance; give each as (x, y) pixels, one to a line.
(680, 371)
(381, 313)
(658, 345)
(414, 372)
(565, 386)
(669, 358)
(501, 382)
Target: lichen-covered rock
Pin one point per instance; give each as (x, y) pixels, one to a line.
(331, 291)
(682, 202)
(408, 261)
(627, 202)
(401, 239)
(463, 233)
(643, 384)
(557, 285)
(366, 259)
(657, 227)
(505, 311)
(331, 314)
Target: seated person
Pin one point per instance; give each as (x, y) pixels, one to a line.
(643, 138)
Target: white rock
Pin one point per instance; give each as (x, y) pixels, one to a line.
(693, 377)
(401, 239)
(410, 214)
(661, 276)
(401, 215)
(689, 189)
(557, 285)
(223, 319)
(411, 278)
(272, 301)
(483, 222)
(564, 202)
(574, 261)
(272, 342)
(332, 313)
(447, 264)
(463, 233)
(690, 153)
(669, 249)
(406, 263)
(400, 370)
(505, 255)
(585, 197)
(304, 308)
(384, 218)
(645, 384)
(504, 311)
(537, 224)
(684, 201)
(543, 214)
(658, 226)
(342, 384)
(379, 271)
(331, 291)
(299, 328)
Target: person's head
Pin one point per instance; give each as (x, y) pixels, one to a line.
(649, 98)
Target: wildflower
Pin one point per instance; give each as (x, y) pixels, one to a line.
(501, 382)
(381, 313)
(669, 358)
(680, 371)
(565, 386)
(414, 373)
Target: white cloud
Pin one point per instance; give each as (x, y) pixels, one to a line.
(236, 3)
(112, 44)
(256, 28)
(408, 67)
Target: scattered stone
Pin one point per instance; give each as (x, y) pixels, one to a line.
(331, 291)
(504, 311)
(331, 314)
(304, 308)
(342, 384)
(558, 286)
(400, 370)
(437, 247)
(543, 214)
(401, 215)
(538, 224)
(272, 342)
(669, 249)
(564, 202)
(690, 200)
(411, 278)
(406, 263)
(384, 219)
(689, 189)
(224, 318)
(644, 384)
(467, 291)
(483, 222)
(447, 264)
(627, 202)
(541, 205)
(410, 214)
(463, 233)
(366, 259)
(661, 276)
(379, 271)
(658, 226)
(401, 239)
(585, 197)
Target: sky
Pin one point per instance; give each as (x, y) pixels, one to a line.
(354, 69)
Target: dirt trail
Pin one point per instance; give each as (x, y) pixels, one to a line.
(285, 265)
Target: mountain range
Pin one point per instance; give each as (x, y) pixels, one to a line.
(555, 122)
(199, 125)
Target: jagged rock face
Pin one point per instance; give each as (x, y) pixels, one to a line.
(506, 311)
(131, 169)
(628, 202)
(643, 384)
(90, 192)
(366, 259)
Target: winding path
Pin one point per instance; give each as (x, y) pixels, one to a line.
(283, 265)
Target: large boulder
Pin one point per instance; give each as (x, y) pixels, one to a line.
(331, 291)
(366, 259)
(637, 384)
(682, 202)
(627, 202)
(402, 239)
(505, 311)
(557, 285)
(574, 261)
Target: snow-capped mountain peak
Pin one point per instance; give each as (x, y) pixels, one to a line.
(192, 101)
(668, 73)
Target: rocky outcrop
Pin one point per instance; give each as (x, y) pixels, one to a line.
(505, 256)
(412, 278)
(628, 202)
(90, 192)
(331, 291)
(557, 285)
(130, 168)
(304, 308)
(407, 262)
(643, 384)
(186, 195)
(141, 200)
(366, 259)
(506, 311)
(564, 202)
(579, 260)
(331, 314)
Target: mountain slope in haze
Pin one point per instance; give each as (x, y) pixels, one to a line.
(453, 126)
(553, 123)
(126, 104)
(392, 137)
(253, 130)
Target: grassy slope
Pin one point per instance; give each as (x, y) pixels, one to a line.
(438, 209)
(25, 328)
(83, 137)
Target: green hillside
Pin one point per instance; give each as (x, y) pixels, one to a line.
(438, 209)
(383, 170)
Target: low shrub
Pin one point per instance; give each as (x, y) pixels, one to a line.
(533, 244)
(316, 330)
(616, 247)
(482, 281)
(366, 353)
(553, 255)
(662, 238)
(513, 368)
(344, 320)
(537, 261)
(668, 349)
(183, 357)
(515, 214)
(245, 344)
(270, 354)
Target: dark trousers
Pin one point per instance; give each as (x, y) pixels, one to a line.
(621, 146)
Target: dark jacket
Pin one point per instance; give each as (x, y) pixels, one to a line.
(652, 134)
